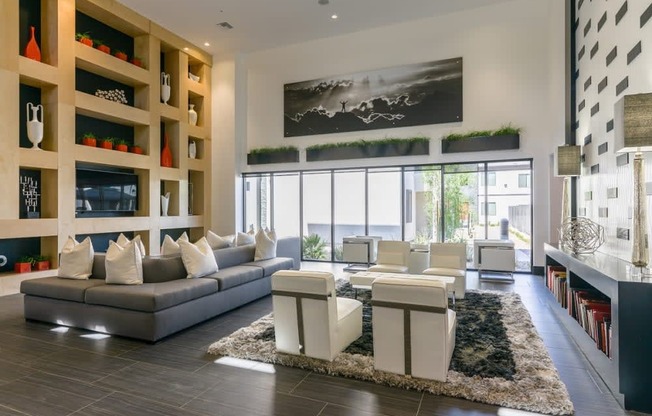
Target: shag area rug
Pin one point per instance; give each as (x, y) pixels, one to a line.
(499, 358)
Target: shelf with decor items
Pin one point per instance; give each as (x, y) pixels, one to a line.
(71, 110)
(197, 132)
(38, 193)
(594, 282)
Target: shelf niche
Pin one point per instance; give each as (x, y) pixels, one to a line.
(41, 15)
(170, 64)
(14, 248)
(172, 130)
(39, 187)
(195, 192)
(36, 96)
(111, 37)
(90, 83)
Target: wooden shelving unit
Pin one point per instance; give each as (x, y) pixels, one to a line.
(627, 372)
(63, 56)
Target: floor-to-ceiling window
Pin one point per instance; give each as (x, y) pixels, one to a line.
(420, 204)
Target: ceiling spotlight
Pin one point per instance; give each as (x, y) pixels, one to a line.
(334, 17)
(185, 48)
(323, 2)
(207, 44)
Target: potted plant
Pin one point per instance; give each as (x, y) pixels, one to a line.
(40, 262)
(362, 149)
(265, 155)
(121, 145)
(101, 46)
(137, 150)
(89, 139)
(106, 143)
(137, 61)
(505, 138)
(84, 38)
(23, 264)
(121, 55)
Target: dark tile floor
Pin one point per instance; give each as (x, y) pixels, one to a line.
(49, 370)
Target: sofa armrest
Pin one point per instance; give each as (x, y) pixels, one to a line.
(290, 247)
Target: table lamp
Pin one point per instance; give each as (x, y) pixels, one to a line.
(633, 133)
(568, 163)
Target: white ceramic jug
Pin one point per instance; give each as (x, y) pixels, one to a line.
(165, 203)
(34, 126)
(165, 87)
(192, 115)
(192, 149)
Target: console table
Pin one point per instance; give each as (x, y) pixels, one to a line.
(629, 370)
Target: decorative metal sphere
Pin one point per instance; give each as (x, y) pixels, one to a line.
(581, 235)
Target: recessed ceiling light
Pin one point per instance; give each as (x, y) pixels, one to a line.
(185, 49)
(334, 17)
(207, 44)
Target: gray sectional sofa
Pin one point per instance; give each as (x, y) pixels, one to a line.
(166, 302)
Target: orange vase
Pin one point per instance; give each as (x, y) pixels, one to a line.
(166, 153)
(32, 50)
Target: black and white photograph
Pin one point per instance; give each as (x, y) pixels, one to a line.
(408, 95)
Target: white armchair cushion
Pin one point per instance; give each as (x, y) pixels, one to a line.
(386, 257)
(441, 271)
(170, 246)
(388, 268)
(76, 261)
(124, 266)
(198, 258)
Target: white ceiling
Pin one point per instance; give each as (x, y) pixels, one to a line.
(264, 24)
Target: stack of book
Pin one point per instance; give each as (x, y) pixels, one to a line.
(593, 312)
(556, 282)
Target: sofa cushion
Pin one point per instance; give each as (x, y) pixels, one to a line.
(155, 269)
(56, 288)
(236, 276)
(271, 266)
(151, 297)
(233, 256)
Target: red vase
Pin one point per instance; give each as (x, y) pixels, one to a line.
(32, 50)
(166, 153)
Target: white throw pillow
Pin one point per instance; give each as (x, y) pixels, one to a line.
(124, 265)
(265, 245)
(76, 261)
(123, 241)
(170, 246)
(243, 239)
(216, 242)
(198, 258)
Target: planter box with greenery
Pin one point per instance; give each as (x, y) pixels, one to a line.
(265, 155)
(362, 149)
(505, 138)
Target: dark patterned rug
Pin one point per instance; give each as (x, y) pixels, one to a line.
(498, 358)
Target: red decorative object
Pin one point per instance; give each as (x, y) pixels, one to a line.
(166, 153)
(137, 61)
(89, 140)
(137, 150)
(121, 55)
(42, 265)
(106, 144)
(84, 38)
(32, 50)
(121, 147)
(104, 49)
(23, 267)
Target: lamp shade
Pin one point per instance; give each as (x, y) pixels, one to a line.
(568, 161)
(633, 123)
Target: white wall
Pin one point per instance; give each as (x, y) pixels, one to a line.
(513, 72)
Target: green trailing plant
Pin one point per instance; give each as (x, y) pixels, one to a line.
(84, 35)
(37, 257)
(505, 130)
(25, 259)
(120, 142)
(365, 143)
(268, 150)
(314, 247)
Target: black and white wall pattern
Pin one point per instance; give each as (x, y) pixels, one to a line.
(613, 44)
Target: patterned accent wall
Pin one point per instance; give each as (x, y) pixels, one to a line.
(614, 58)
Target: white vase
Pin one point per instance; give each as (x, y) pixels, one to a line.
(165, 87)
(34, 126)
(192, 115)
(192, 149)
(165, 203)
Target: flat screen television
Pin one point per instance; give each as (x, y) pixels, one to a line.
(99, 191)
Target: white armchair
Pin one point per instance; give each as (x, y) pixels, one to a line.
(309, 319)
(393, 257)
(449, 259)
(424, 347)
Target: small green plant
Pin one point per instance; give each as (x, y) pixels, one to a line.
(37, 257)
(120, 142)
(107, 140)
(88, 136)
(365, 143)
(84, 35)
(338, 253)
(314, 248)
(267, 150)
(505, 130)
(25, 259)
